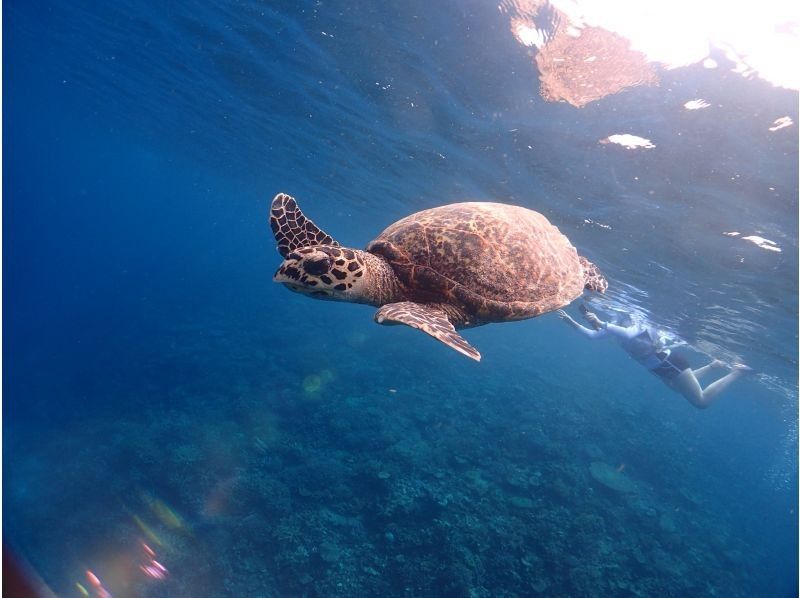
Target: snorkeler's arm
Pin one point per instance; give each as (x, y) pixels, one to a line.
(613, 329)
(582, 329)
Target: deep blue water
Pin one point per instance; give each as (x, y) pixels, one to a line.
(158, 386)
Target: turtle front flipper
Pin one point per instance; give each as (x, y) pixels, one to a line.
(292, 229)
(429, 319)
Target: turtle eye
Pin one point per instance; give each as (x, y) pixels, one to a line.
(317, 265)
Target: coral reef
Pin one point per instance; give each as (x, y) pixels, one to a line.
(250, 481)
(611, 477)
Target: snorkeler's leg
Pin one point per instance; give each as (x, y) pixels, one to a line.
(686, 383)
(688, 386)
(714, 365)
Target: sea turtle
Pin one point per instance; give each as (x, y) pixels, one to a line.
(439, 270)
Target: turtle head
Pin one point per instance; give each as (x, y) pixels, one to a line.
(323, 272)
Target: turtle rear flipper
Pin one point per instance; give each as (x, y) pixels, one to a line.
(429, 319)
(292, 229)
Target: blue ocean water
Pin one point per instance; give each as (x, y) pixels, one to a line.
(160, 390)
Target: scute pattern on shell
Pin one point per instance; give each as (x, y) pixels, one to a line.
(498, 262)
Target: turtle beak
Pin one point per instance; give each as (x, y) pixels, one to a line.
(283, 277)
(285, 281)
(286, 274)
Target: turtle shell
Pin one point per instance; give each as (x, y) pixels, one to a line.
(496, 262)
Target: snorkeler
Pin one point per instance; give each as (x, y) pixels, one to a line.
(654, 351)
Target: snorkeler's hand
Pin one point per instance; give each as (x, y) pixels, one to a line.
(565, 316)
